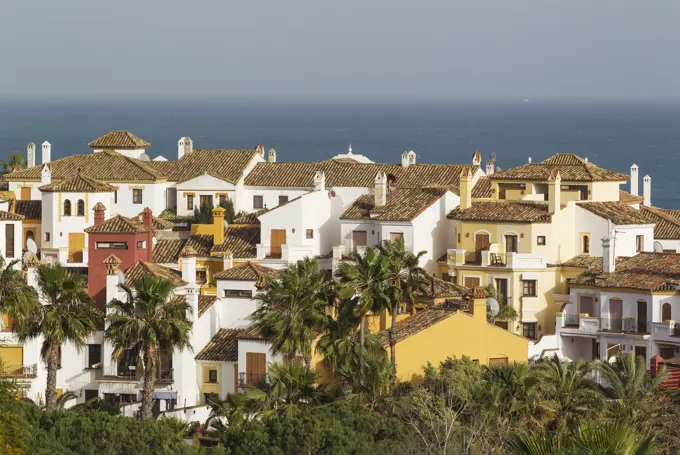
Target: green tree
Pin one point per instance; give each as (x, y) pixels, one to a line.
(404, 279)
(16, 298)
(15, 160)
(506, 312)
(67, 315)
(235, 410)
(291, 311)
(151, 321)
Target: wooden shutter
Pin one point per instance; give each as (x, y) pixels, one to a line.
(76, 244)
(256, 367)
(360, 238)
(25, 194)
(472, 281)
(278, 238)
(9, 240)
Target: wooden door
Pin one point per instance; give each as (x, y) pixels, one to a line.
(359, 238)
(642, 316)
(278, 238)
(586, 302)
(256, 367)
(9, 241)
(482, 242)
(25, 194)
(472, 282)
(615, 314)
(511, 244)
(76, 245)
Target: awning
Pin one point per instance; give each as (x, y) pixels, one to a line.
(161, 395)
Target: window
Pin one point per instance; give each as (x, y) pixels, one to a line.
(585, 247)
(639, 242)
(190, 201)
(80, 210)
(283, 200)
(666, 312)
(137, 196)
(222, 198)
(208, 397)
(9, 240)
(237, 293)
(258, 202)
(67, 208)
(212, 376)
(91, 394)
(115, 197)
(540, 240)
(529, 288)
(667, 352)
(396, 235)
(309, 233)
(47, 236)
(641, 351)
(94, 355)
(511, 244)
(459, 237)
(111, 245)
(201, 276)
(140, 244)
(205, 200)
(529, 330)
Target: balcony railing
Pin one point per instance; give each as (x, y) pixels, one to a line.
(19, 371)
(130, 373)
(248, 379)
(570, 320)
(615, 325)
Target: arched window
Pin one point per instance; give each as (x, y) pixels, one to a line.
(67, 208)
(586, 245)
(666, 312)
(81, 208)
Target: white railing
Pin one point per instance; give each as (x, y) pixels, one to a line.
(666, 331)
(525, 261)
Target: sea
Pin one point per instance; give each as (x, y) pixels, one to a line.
(611, 134)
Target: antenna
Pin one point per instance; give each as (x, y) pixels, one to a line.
(31, 246)
(492, 306)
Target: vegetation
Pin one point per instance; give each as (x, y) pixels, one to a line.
(15, 160)
(203, 214)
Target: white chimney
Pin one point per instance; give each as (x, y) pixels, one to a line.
(319, 181)
(529, 160)
(408, 158)
(227, 260)
(476, 158)
(112, 263)
(554, 192)
(184, 147)
(489, 168)
(608, 258)
(647, 190)
(465, 189)
(634, 179)
(260, 149)
(30, 155)
(380, 189)
(271, 157)
(46, 152)
(46, 174)
(404, 159)
(188, 263)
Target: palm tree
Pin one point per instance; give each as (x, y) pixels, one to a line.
(363, 287)
(149, 322)
(67, 314)
(292, 309)
(505, 312)
(15, 294)
(15, 160)
(517, 385)
(236, 409)
(373, 383)
(405, 279)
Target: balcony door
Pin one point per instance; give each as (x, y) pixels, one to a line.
(278, 238)
(511, 244)
(256, 367)
(615, 314)
(482, 243)
(359, 238)
(587, 305)
(641, 316)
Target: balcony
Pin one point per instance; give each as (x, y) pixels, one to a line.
(666, 331)
(120, 373)
(19, 371)
(590, 324)
(458, 257)
(250, 379)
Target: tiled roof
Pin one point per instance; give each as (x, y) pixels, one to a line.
(412, 325)
(78, 184)
(107, 166)
(143, 268)
(248, 218)
(158, 224)
(223, 347)
(4, 184)
(403, 204)
(672, 212)
(205, 302)
(439, 289)
(644, 271)
(250, 271)
(572, 168)
(353, 174)
(167, 250)
(505, 211)
(666, 226)
(240, 240)
(482, 188)
(201, 243)
(119, 140)
(582, 261)
(117, 225)
(617, 212)
(227, 165)
(628, 198)
(30, 210)
(6, 216)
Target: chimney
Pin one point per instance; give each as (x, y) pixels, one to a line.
(30, 155)
(465, 188)
(319, 181)
(490, 168)
(380, 189)
(112, 263)
(227, 260)
(408, 158)
(479, 296)
(260, 149)
(32, 264)
(184, 147)
(46, 152)
(218, 225)
(271, 157)
(99, 213)
(147, 220)
(554, 192)
(46, 174)
(647, 190)
(608, 258)
(476, 158)
(634, 179)
(188, 262)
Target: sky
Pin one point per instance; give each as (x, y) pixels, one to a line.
(308, 49)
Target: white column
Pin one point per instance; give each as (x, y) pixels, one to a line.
(634, 179)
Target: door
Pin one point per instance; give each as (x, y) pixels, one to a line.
(511, 244)
(12, 359)
(9, 241)
(502, 290)
(472, 282)
(586, 302)
(256, 367)
(642, 316)
(615, 314)
(76, 245)
(359, 238)
(25, 194)
(482, 243)
(278, 238)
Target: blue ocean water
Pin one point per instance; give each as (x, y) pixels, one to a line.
(612, 135)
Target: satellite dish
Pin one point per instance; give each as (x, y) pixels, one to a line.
(658, 247)
(121, 277)
(31, 246)
(144, 157)
(160, 158)
(492, 306)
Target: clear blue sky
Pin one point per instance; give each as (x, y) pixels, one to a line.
(348, 48)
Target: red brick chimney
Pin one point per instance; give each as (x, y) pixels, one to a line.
(147, 219)
(99, 210)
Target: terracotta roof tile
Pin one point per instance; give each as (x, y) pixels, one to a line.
(205, 302)
(119, 140)
(250, 271)
(412, 325)
(505, 211)
(30, 210)
(159, 224)
(240, 240)
(201, 244)
(572, 168)
(672, 212)
(227, 165)
(167, 251)
(628, 198)
(582, 261)
(482, 188)
(7, 216)
(666, 226)
(78, 184)
(143, 268)
(223, 347)
(117, 225)
(403, 204)
(617, 212)
(249, 218)
(439, 289)
(4, 184)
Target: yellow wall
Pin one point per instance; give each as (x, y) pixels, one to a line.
(209, 387)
